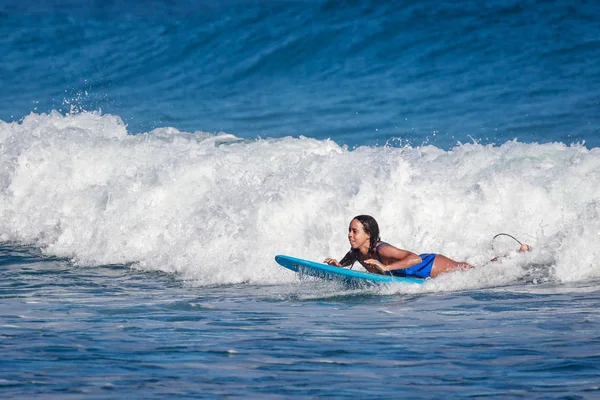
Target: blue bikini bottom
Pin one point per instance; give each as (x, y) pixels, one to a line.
(421, 270)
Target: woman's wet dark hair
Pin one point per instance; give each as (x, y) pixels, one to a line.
(371, 227)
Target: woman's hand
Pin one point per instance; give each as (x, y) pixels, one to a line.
(332, 261)
(375, 264)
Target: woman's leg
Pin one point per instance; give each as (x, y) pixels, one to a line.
(443, 264)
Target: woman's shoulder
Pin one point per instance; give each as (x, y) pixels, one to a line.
(388, 249)
(382, 244)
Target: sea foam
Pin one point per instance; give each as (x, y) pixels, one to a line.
(216, 209)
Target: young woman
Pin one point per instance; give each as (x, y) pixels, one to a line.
(382, 258)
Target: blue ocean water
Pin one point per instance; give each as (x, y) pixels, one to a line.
(155, 156)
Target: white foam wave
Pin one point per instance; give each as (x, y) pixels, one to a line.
(216, 209)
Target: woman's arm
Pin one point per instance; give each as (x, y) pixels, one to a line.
(393, 258)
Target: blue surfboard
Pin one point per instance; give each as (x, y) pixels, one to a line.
(305, 267)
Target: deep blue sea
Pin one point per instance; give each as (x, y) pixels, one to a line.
(156, 155)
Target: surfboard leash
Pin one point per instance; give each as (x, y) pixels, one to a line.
(510, 236)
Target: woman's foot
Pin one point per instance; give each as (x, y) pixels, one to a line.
(524, 247)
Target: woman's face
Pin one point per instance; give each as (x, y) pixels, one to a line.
(357, 235)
